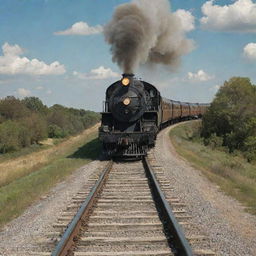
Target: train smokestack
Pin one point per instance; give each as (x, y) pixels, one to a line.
(129, 75)
(145, 31)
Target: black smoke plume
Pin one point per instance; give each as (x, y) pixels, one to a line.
(145, 31)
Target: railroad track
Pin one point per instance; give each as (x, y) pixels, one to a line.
(126, 213)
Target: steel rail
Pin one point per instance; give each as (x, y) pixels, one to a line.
(172, 227)
(67, 240)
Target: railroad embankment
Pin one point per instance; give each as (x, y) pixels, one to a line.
(233, 174)
(26, 178)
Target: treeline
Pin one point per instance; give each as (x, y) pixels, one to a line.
(28, 121)
(231, 118)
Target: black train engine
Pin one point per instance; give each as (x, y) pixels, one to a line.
(130, 120)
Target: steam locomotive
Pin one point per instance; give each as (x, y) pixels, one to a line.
(133, 114)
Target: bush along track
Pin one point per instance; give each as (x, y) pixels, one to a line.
(26, 122)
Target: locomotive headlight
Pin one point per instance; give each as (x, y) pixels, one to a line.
(126, 101)
(125, 81)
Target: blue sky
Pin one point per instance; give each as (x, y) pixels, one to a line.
(74, 66)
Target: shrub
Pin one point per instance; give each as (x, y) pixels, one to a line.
(24, 136)
(9, 136)
(214, 141)
(54, 131)
(250, 148)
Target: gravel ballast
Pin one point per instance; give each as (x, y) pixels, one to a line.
(221, 218)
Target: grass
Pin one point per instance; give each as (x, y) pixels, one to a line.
(19, 165)
(234, 175)
(31, 149)
(22, 152)
(21, 192)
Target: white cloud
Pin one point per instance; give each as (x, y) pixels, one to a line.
(187, 19)
(199, 76)
(98, 73)
(12, 50)
(250, 51)
(23, 92)
(162, 84)
(215, 88)
(80, 28)
(11, 63)
(45, 90)
(237, 17)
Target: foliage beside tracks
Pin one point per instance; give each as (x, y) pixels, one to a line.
(231, 118)
(231, 171)
(26, 122)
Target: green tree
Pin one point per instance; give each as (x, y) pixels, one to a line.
(232, 114)
(9, 136)
(35, 104)
(12, 108)
(25, 122)
(37, 126)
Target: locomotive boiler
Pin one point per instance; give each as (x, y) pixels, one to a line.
(133, 114)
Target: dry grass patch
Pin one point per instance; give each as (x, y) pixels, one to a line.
(13, 169)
